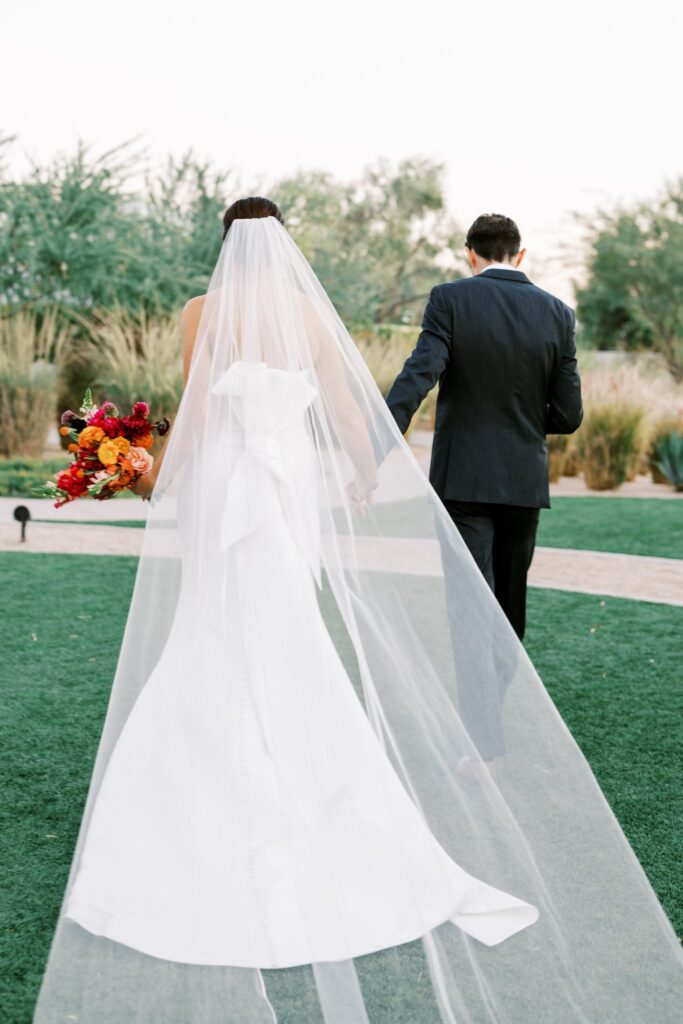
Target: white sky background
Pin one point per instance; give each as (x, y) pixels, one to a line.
(537, 109)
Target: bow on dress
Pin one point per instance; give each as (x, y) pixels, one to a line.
(275, 473)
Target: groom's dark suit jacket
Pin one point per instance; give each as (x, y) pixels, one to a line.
(503, 352)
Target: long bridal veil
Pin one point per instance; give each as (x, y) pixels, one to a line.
(445, 684)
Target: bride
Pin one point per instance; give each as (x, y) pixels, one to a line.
(276, 829)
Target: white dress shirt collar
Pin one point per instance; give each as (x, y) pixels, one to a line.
(500, 266)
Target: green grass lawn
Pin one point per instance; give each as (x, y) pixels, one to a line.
(634, 526)
(612, 667)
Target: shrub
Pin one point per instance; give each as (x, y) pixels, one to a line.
(136, 358)
(385, 348)
(557, 455)
(572, 459)
(19, 476)
(31, 351)
(606, 446)
(615, 429)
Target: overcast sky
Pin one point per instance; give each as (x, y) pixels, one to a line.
(537, 109)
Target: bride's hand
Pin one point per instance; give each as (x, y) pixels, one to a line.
(143, 486)
(360, 494)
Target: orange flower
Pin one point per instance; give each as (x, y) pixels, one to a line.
(145, 441)
(127, 472)
(122, 443)
(64, 431)
(90, 437)
(74, 447)
(108, 453)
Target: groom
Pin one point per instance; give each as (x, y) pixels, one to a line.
(503, 352)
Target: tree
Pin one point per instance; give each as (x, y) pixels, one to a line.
(184, 206)
(65, 232)
(633, 298)
(75, 236)
(378, 244)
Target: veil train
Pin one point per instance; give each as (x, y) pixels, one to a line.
(276, 828)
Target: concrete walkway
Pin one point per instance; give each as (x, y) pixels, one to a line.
(637, 577)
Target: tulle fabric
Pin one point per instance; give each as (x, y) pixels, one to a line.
(444, 682)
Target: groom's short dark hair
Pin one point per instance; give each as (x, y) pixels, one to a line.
(493, 237)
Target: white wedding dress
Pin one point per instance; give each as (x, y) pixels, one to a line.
(248, 809)
(248, 775)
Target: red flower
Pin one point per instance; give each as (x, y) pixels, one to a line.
(141, 409)
(136, 425)
(111, 425)
(72, 481)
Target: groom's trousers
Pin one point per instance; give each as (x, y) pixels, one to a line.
(501, 540)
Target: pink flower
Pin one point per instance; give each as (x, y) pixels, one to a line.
(140, 460)
(141, 409)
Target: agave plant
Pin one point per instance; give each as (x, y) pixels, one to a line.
(670, 458)
(668, 420)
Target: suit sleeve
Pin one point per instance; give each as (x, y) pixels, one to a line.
(425, 365)
(565, 409)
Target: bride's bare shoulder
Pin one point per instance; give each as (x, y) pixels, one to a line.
(189, 322)
(192, 311)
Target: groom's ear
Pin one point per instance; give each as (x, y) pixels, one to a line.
(519, 257)
(471, 257)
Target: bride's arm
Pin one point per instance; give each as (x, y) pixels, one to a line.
(345, 413)
(189, 322)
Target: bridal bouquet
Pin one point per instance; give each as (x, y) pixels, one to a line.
(110, 452)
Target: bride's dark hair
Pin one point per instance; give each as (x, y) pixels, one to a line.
(253, 206)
